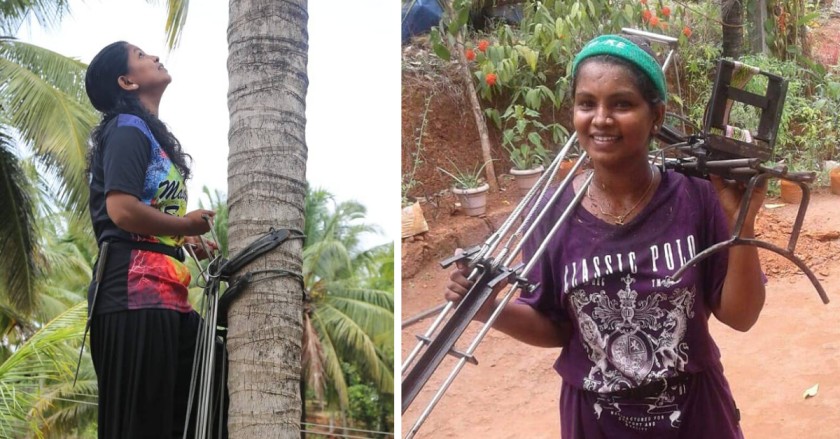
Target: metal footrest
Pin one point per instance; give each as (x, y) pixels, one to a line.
(455, 353)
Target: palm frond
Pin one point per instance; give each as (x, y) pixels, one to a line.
(363, 304)
(46, 12)
(176, 17)
(44, 360)
(354, 342)
(326, 259)
(312, 357)
(17, 231)
(218, 204)
(332, 361)
(62, 408)
(13, 321)
(42, 97)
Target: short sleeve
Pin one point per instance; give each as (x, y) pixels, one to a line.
(125, 161)
(544, 296)
(717, 230)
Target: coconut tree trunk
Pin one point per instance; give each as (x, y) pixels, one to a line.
(732, 14)
(268, 44)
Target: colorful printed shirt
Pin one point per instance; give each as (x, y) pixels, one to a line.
(132, 161)
(631, 327)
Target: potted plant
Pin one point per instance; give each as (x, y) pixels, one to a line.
(789, 192)
(524, 144)
(470, 188)
(833, 177)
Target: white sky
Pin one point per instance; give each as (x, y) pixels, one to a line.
(353, 101)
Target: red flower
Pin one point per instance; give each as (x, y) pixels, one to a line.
(490, 79)
(470, 54)
(644, 2)
(687, 31)
(483, 45)
(654, 20)
(646, 14)
(666, 11)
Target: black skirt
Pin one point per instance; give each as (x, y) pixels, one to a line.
(143, 361)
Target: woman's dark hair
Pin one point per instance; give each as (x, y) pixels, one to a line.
(642, 82)
(109, 98)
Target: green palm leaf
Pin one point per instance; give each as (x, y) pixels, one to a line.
(332, 362)
(326, 259)
(176, 17)
(312, 358)
(42, 98)
(44, 360)
(17, 230)
(352, 326)
(15, 12)
(62, 408)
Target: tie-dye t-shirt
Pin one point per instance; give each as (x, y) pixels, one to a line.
(132, 161)
(631, 327)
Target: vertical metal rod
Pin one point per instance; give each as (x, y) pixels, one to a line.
(198, 349)
(800, 215)
(668, 59)
(202, 343)
(222, 385)
(210, 340)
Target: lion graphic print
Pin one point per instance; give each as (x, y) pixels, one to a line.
(630, 341)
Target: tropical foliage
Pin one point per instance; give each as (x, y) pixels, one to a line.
(527, 64)
(351, 307)
(39, 352)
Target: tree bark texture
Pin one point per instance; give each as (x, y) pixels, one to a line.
(268, 46)
(732, 14)
(758, 39)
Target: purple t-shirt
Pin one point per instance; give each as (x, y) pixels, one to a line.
(632, 328)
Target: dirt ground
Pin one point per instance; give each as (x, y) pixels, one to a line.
(514, 391)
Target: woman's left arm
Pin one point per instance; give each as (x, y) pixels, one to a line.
(743, 293)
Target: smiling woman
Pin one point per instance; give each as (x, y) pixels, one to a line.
(637, 357)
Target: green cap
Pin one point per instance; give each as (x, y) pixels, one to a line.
(627, 50)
